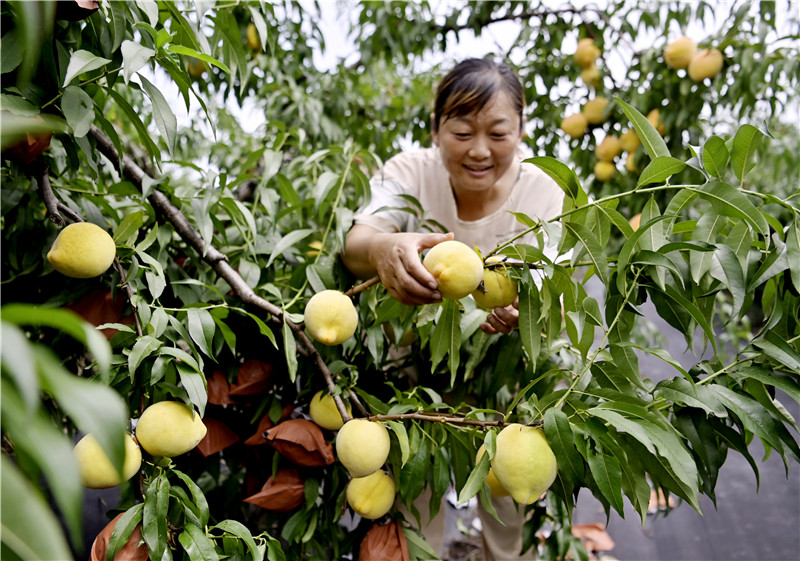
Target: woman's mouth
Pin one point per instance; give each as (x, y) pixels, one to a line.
(477, 169)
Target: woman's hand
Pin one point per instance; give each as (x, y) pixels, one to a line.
(502, 320)
(395, 258)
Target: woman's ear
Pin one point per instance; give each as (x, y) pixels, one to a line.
(434, 130)
(523, 132)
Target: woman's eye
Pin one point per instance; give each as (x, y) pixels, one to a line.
(462, 134)
(499, 135)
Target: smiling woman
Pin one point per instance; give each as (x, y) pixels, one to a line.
(468, 183)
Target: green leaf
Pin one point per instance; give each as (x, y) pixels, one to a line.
(65, 321)
(144, 347)
(287, 241)
(26, 519)
(197, 544)
(17, 360)
(82, 61)
(530, 330)
(607, 473)
(592, 245)
(195, 386)
(732, 276)
(240, 531)
(181, 50)
(48, 448)
(559, 435)
(78, 110)
(201, 329)
(652, 142)
(757, 420)
(715, 156)
(165, 119)
(399, 430)
(475, 481)
(134, 57)
(745, 144)
(684, 392)
(289, 350)
(730, 201)
(141, 129)
(777, 348)
(123, 529)
(197, 496)
(128, 229)
(793, 251)
(562, 174)
(660, 169)
(446, 338)
(154, 517)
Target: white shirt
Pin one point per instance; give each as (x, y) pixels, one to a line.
(422, 175)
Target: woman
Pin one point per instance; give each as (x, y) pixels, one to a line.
(469, 182)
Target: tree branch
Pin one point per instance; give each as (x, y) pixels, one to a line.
(445, 418)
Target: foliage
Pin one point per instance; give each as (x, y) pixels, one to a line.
(214, 229)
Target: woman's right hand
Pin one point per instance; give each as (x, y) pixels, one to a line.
(395, 258)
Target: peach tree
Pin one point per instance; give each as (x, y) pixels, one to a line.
(136, 116)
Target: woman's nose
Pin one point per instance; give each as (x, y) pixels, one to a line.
(479, 148)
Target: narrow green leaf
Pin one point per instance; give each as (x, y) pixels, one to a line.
(136, 121)
(690, 308)
(154, 517)
(65, 321)
(197, 495)
(16, 359)
(793, 251)
(730, 201)
(240, 531)
(48, 448)
(680, 390)
(196, 544)
(202, 329)
(562, 174)
(289, 350)
(165, 119)
(134, 57)
(80, 62)
(607, 473)
(475, 481)
(287, 241)
(144, 347)
(78, 110)
(530, 330)
(195, 386)
(558, 431)
(128, 229)
(400, 433)
(777, 348)
(595, 251)
(659, 170)
(123, 529)
(728, 262)
(26, 518)
(652, 142)
(181, 50)
(715, 156)
(745, 143)
(446, 333)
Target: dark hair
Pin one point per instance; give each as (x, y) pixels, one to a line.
(468, 87)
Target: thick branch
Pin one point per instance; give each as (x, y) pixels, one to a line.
(216, 259)
(42, 175)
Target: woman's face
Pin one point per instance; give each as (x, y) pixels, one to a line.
(479, 149)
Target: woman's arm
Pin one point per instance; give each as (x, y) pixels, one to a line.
(395, 259)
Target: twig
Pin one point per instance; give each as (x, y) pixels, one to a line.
(126, 286)
(445, 418)
(42, 175)
(216, 259)
(363, 286)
